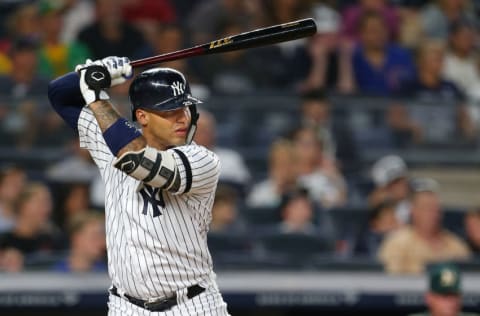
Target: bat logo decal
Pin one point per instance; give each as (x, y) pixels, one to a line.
(221, 42)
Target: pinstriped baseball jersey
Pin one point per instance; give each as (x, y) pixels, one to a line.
(156, 240)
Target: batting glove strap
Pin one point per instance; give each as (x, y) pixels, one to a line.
(94, 79)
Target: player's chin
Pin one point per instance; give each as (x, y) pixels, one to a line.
(178, 140)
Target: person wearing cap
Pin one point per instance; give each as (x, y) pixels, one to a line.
(444, 296)
(409, 249)
(57, 57)
(391, 179)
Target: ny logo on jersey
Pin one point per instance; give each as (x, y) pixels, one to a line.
(154, 197)
(178, 88)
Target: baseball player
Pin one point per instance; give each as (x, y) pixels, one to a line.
(159, 186)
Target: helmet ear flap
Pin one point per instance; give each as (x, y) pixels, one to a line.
(193, 123)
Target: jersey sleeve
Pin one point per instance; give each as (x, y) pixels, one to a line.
(198, 167)
(91, 138)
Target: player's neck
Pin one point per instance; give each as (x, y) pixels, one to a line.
(155, 142)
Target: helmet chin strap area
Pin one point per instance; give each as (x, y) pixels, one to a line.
(193, 123)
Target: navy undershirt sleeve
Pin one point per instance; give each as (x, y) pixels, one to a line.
(65, 97)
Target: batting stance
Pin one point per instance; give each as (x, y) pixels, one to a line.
(159, 186)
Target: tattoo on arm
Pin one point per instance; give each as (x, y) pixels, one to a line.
(106, 115)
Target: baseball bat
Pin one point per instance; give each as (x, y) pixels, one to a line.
(260, 37)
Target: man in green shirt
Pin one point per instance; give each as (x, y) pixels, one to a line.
(444, 297)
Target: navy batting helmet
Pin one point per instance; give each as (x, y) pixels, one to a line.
(163, 89)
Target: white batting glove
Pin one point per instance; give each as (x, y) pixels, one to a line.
(94, 79)
(96, 76)
(119, 68)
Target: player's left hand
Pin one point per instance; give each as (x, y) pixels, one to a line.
(94, 80)
(96, 76)
(119, 68)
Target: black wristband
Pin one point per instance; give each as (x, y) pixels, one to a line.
(97, 79)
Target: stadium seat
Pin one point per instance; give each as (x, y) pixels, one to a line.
(261, 216)
(294, 249)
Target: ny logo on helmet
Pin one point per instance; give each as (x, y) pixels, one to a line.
(178, 88)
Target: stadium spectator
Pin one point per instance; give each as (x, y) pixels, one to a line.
(437, 16)
(25, 80)
(87, 244)
(23, 21)
(460, 64)
(76, 166)
(24, 88)
(404, 131)
(317, 172)
(20, 21)
(70, 200)
(382, 220)
(166, 38)
(138, 11)
(337, 138)
(439, 108)
(148, 16)
(472, 230)
(424, 241)
(233, 168)
(325, 61)
(225, 214)
(297, 213)
(352, 15)
(51, 132)
(444, 295)
(241, 71)
(281, 177)
(56, 57)
(391, 179)
(110, 35)
(410, 31)
(380, 67)
(207, 18)
(283, 11)
(33, 233)
(77, 15)
(12, 182)
(11, 260)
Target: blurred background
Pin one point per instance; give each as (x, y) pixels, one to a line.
(350, 160)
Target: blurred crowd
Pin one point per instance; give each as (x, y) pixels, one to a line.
(403, 52)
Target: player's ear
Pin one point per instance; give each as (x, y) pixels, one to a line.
(142, 117)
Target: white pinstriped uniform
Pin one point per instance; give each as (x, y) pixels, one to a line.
(156, 240)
